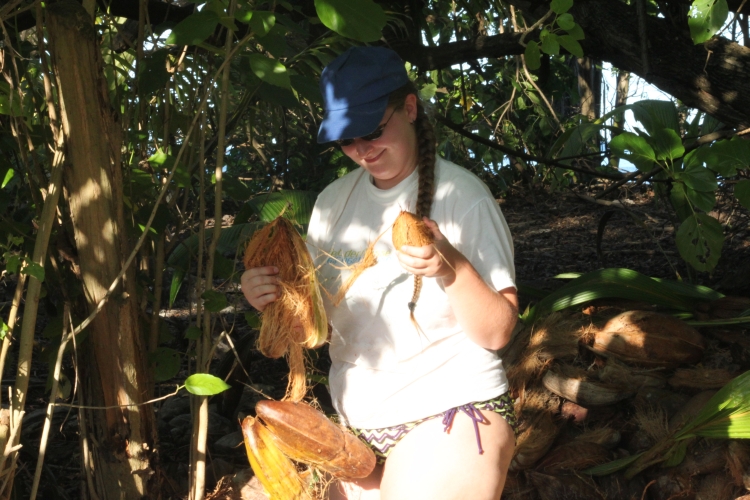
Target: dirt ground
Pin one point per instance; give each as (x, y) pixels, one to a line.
(553, 234)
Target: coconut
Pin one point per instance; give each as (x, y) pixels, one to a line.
(550, 487)
(410, 230)
(574, 385)
(300, 301)
(699, 378)
(604, 436)
(617, 373)
(649, 339)
(537, 435)
(729, 307)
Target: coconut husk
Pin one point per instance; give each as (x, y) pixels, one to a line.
(300, 302)
(738, 461)
(666, 400)
(576, 455)
(574, 384)
(550, 487)
(728, 307)
(617, 373)
(617, 487)
(667, 486)
(603, 436)
(538, 432)
(652, 423)
(716, 486)
(699, 378)
(410, 230)
(690, 409)
(705, 456)
(649, 339)
(556, 338)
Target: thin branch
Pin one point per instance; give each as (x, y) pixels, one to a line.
(522, 155)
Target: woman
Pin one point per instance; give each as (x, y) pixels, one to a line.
(429, 395)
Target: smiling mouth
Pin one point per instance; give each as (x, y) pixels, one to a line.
(374, 158)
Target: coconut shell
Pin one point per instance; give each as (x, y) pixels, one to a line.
(582, 391)
(307, 435)
(649, 339)
(410, 230)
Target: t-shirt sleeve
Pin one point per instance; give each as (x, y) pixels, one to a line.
(484, 238)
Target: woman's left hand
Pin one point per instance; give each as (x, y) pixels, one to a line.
(437, 260)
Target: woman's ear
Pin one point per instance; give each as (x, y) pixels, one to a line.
(410, 105)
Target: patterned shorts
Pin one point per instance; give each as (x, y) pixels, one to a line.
(383, 440)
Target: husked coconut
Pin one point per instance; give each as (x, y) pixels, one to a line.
(649, 339)
(410, 230)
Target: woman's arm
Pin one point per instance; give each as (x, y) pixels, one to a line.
(487, 316)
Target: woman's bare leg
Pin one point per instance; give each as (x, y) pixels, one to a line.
(359, 489)
(433, 465)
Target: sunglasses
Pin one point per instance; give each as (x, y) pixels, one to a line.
(369, 137)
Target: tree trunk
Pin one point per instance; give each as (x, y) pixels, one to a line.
(589, 87)
(112, 359)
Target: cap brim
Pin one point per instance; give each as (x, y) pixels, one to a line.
(352, 122)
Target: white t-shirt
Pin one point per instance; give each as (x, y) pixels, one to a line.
(384, 371)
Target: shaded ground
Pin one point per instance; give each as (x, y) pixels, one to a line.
(553, 234)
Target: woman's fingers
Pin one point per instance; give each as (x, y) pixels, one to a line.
(260, 286)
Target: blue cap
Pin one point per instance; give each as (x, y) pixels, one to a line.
(355, 88)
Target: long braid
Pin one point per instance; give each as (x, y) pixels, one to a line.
(426, 187)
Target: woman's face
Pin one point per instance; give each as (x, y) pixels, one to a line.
(393, 156)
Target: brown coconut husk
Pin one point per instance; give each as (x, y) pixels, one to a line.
(551, 487)
(410, 230)
(299, 303)
(649, 339)
(614, 372)
(538, 432)
(690, 409)
(728, 307)
(603, 436)
(716, 486)
(575, 384)
(573, 456)
(699, 378)
(617, 487)
(556, 338)
(738, 461)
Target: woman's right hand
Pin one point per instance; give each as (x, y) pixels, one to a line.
(260, 286)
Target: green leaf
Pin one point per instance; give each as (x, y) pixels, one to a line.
(726, 415)
(6, 108)
(698, 178)
(153, 75)
(253, 320)
(699, 240)
(275, 42)
(361, 20)
(261, 22)
(550, 45)
(4, 329)
(532, 56)
(427, 92)
(561, 6)
(12, 262)
(570, 44)
(727, 156)
(203, 384)
(295, 205)
(618, 283)
(576, 33)
(214, 301)
(193, 333)
(307, 87)
(633, 148)
(194, 29)
(223, 267)
(742, 192)
(667, 144)
(705, 200)
(8, 177)
(166, 363)
(33, 269)
(566, 22)
(656, 115)
(269, 70)
(178, 276)
(243, 14)
(705, 19)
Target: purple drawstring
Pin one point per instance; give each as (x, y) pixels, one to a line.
(474, 414)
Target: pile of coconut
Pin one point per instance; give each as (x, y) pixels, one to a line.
(599, 385)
